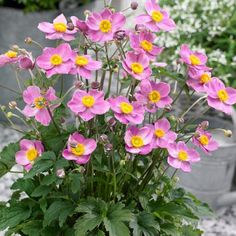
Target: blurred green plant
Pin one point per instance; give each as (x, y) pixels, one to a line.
(209, 26)
(37, 5)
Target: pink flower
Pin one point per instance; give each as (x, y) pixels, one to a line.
(102, 26)
(220, 97)
(88, 104)
(144, 42)
(196, 60)
(156, 18)
(84, 65)
(153, 95)
(56, 60)
(137, 65)
(79, 149)
(180, 156)
(38, 103)
(139, 140)
(163, 136)
(127, 112)
(30, 151)
(9, 57)
(198, 79)
(58, 29)
(204, 140)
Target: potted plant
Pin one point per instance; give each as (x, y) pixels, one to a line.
(103, 172)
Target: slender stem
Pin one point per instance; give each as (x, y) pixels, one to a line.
(15, 172)
(53, 121)
(193, 105)
(173, 175)
(62, 87)
(109, 84)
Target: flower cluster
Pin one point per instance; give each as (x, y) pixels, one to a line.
(112, 135)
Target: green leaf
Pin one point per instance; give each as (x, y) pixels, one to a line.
(25, 185)
(48, 179)
(188, 230)
(7, 158)
(144, 224)
(58, 210)
(14, 215)
(32, 228)
(41, 190)
(75, 182)
(44, 163)
(170, 229)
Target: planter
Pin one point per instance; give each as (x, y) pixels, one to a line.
(211, 179)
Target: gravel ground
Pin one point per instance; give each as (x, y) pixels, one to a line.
(224, 223)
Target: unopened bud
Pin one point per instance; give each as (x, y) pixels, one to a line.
(108, 147)
(112, 122)
(140, 27)
(116, 69)
(28, 40)
(87, 13)
(79, 84)
(134, 5)
(172, 118)
(12, 105)
(3, 108)
(15, 48)
(70, 26)
(204, 125)
(168, 108)
(61, 173)
(119, 35)
(103, 138)
(9, 114)
(228, 133)
(122, 162)
(95, 85)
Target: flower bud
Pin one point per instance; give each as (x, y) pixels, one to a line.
(172, 118)
(204, 125)
(3, 108)
(28, 40)
(112, 122)
(95, 85)
(103, 138)
(119, 35)
(79, 84)
(12, 105)
(140, 27)
(26, 63)
(108, 146)
(122, 162)
(87, 13)
(228, 133)
(70, 26)
(134, 5)
(15, 48)
(168, 108)
(9, 114)
(61, 173)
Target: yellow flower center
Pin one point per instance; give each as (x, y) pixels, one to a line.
(32, 154)
(126, 107)
(183, 155)
(40, 102)
(154, 96)
(157, 16)
(137, 141)
(105, 26)
(146, 45)
(11, 54)
(223, 95)
(56, 60)
(137, 68)
(159, 133)
(204, 140)
(60, 27)
(88, 101)
(194, 60)
(81, 61)
(78, 150)
(205, 78)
